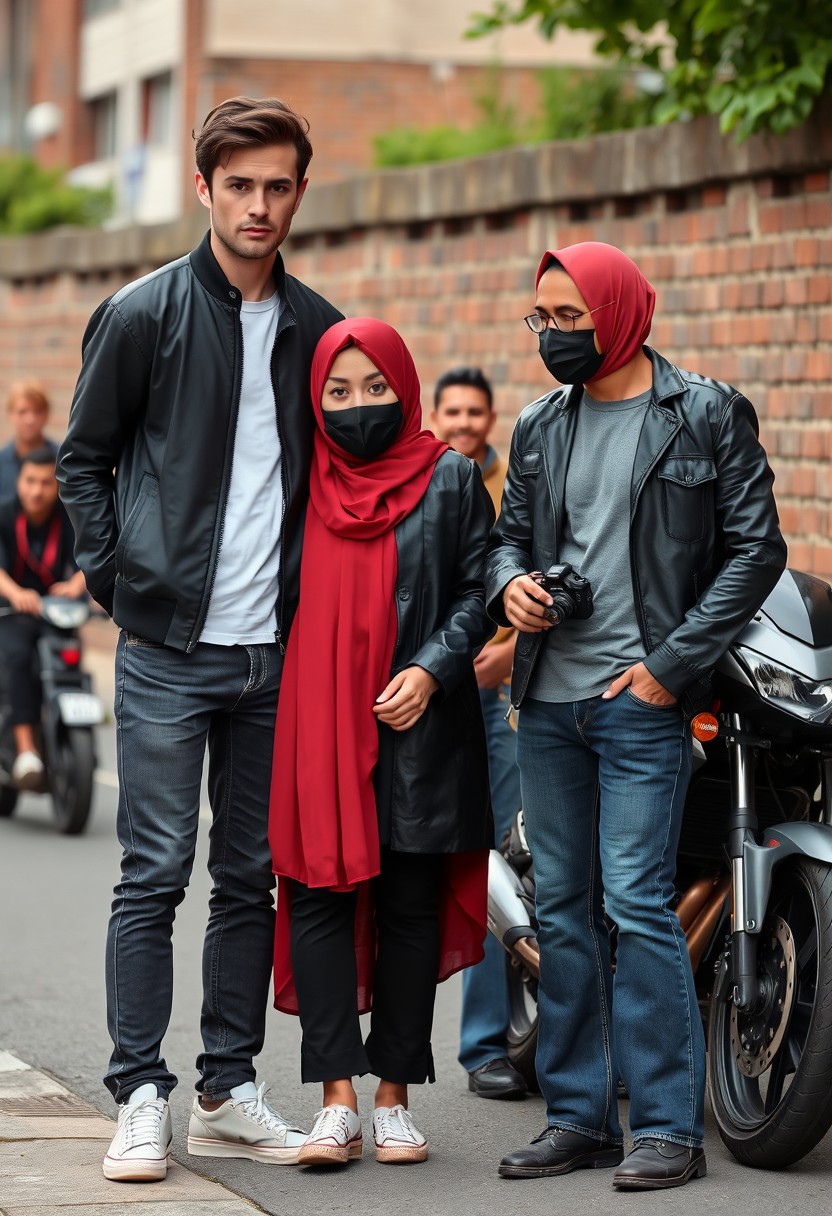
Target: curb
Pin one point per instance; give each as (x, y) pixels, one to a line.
(51, 1146)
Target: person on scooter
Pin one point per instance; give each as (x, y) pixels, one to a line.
(650, 483)
(36, 559)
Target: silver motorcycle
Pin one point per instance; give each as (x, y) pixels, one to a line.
(753, 885)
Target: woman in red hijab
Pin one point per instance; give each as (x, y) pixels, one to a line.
(380, 819)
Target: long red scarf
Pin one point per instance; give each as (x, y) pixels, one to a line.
(323, 825)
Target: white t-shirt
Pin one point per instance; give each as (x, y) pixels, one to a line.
(242, 606)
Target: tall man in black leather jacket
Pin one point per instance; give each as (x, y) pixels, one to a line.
(651, 483)
(185, 472)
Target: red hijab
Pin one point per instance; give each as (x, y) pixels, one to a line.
(611, 282)
(323, 824)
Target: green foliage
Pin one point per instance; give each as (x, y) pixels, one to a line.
(758, 64)
(574, 103)
(33, 199)
(577, 103)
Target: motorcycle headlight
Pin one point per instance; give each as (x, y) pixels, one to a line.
(796, 694)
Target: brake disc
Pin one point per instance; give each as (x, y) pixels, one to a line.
(756, 1034)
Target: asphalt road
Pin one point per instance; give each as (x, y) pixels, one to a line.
(54, 902)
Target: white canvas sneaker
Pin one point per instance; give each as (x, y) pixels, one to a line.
(335, 1137)
(397, 1138)
(246, 1127)
(140, 1148)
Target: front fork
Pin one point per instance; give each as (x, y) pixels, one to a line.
(744, 983)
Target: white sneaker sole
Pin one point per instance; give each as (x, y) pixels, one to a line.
(313, 1153)
(140, 1170)
(401, 1154)
(201, 1146)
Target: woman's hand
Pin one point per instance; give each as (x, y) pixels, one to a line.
(405, 698)
(642, 685)
(525, 604)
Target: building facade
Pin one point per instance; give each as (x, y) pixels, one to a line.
(113, 89)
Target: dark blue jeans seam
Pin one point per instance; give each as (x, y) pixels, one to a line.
(670, 917)
(222, 819)
(599, 963)
(123, 794)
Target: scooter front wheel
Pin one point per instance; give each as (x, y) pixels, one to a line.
(71, 772)
(769, 1068)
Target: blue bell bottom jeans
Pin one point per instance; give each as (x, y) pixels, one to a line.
(169, 707)
(604, 785)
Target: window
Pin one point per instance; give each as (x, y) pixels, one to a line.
(92, 8)
(157, 105)
(103, 113)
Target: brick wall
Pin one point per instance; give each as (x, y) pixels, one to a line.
(737, 242)
(347, 104)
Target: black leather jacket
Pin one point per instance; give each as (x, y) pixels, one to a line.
(431, 781)
(157, 402)
(705, 545)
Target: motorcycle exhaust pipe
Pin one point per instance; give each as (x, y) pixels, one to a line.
(508, 917)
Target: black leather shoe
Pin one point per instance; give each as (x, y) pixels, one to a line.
(556, 1151)
(497, 1079)
(654, 1164)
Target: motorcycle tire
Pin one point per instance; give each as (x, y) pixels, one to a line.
(71, 774)
(774, 1118)
(522, 1030)
(8, 801)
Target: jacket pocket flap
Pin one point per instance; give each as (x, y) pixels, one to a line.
(529, 463)
(688, 470)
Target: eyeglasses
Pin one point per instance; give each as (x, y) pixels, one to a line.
(563, 320)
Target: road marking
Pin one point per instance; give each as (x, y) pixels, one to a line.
(103, 777)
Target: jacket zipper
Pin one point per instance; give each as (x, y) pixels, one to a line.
(238, 387)
(284, 480)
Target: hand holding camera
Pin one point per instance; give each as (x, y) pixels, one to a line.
(535, 602)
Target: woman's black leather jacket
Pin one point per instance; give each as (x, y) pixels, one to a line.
(145, 467)
(705, 544)
(431, 781)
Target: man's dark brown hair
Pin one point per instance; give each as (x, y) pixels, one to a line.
(250, 122)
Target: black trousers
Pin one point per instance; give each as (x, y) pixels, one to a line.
(18, 639)
(406, 897)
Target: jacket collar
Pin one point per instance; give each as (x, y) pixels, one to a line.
(210, 274)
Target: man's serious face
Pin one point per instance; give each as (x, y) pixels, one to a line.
(37, 490)
(253, 198)
(463, 419)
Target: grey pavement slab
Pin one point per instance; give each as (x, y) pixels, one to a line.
(50, 1163)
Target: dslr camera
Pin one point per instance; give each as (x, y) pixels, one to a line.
(571, 593)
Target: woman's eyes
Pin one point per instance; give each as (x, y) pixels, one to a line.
(377, 388)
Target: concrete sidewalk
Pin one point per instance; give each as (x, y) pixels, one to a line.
(51, 1147)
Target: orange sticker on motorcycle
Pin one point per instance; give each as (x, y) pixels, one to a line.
(704, 727)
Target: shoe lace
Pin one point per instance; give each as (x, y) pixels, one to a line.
(260, 1112)
(331, 1121)
(397, 1122)
(143, 1124)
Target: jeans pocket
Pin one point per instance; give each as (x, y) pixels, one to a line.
(133, 639)
(650, 704)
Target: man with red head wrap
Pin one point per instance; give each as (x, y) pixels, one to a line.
(644, 493)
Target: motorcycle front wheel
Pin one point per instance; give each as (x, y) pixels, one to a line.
(71, 773)
(769, 1069)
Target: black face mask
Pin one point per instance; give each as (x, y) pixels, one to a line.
(365, 430)
(571, 358)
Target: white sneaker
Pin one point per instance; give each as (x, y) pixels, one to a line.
(28, 771)
(244, 1126)
(140, 1148)
(397, 1138)
(335, 1137)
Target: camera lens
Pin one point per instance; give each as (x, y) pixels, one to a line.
(561, 607)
